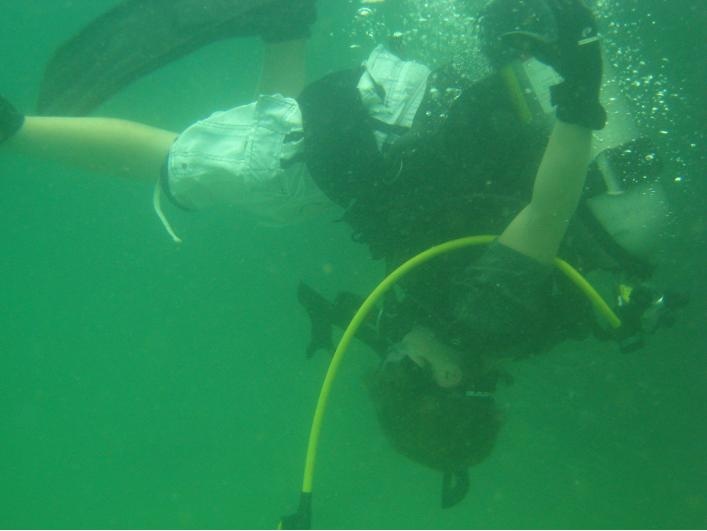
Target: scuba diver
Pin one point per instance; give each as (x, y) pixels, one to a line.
(408, 158)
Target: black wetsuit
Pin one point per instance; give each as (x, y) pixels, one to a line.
(465, 168)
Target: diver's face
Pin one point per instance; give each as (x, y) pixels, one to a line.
(426, 350)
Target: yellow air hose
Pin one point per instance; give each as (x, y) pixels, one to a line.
(361, 314)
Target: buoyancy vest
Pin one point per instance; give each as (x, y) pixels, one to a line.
(466, 167)
(463, 168)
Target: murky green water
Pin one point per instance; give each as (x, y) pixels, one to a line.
(148, 386)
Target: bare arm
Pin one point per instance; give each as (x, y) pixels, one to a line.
(576, 55)
(539, 228)
(101, 145)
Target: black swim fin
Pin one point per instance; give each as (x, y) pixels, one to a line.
(455, 486)
(324, 315)
(135, 38)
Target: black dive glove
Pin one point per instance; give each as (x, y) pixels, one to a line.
(289, 20)
(11, 120)
(576, 55)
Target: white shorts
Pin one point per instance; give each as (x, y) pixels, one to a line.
(250, 156)
(253, 156)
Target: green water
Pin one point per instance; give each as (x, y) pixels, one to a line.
(148, 386)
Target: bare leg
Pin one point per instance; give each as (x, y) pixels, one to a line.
(100, 145)
(284, 68)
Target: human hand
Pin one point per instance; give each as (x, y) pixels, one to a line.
(421, 345)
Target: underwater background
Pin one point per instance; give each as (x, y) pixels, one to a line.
(144, 385)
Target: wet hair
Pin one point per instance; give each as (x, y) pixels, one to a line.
(439, 428)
